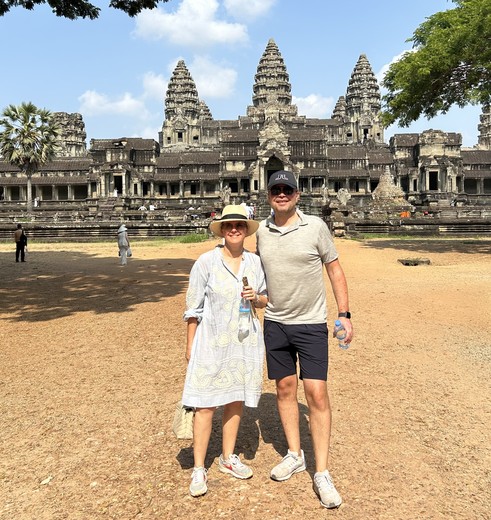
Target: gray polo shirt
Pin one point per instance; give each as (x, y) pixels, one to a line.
(293, 260)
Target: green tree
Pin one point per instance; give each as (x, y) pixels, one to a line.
(80, 8)
(450, 64)
(28, 139)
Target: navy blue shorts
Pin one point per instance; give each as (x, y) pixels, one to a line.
(285, 342)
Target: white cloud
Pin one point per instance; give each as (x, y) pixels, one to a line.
(154, 86)
(211, 79)
(92, 104)
(149, 132)
(314, 105)
(194, 24)
(248, 9)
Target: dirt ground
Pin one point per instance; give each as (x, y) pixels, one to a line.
(92, 364)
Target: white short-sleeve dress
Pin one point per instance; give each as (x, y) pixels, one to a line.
(223, 367)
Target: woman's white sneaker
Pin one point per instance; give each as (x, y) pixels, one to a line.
(198, 485)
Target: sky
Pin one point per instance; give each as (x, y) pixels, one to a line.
(115, 70)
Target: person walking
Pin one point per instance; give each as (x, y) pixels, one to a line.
(123, 244)
(225, 364)
(20, 239)
(293, 248)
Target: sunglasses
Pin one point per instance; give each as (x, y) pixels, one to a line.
(287, 190)
(227, 226)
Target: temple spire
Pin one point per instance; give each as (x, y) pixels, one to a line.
(363, 90)
(181, 99)
(272, 84)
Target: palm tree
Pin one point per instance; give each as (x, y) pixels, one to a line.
(29, 139)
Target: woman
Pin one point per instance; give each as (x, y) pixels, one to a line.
(224, 367)
(123, 243)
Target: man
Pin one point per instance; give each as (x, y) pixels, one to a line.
(293, 248)
(20, 239)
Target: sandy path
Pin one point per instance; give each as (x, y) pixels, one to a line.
(92, 363)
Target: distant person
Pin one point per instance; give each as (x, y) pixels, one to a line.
(20, 243)
(142, 208)
(151, 207)
(225, 364)
(124, 244)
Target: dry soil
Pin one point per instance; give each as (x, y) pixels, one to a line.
(92, 364)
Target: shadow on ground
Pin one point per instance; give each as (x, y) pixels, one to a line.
(51, 285)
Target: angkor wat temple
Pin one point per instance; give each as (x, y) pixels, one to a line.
(203, 163)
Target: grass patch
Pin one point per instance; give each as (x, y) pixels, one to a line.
(192, 238)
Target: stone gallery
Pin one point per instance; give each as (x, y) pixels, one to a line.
(201, 163)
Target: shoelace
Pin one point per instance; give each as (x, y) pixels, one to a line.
(291, 459)
(199, 475)
(235, 461)
(324, 480)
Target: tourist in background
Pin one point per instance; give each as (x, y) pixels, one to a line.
(224, 366)
(20, 243)
(123, 244)
(293, 248)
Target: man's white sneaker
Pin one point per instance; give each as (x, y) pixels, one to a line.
(198, 485)
(326, 491)
(291, 463)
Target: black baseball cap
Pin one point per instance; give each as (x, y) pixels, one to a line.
(282, 177)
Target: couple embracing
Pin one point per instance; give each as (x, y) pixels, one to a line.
(225, 368)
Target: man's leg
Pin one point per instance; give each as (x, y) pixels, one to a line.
(320, 420)
(286, 398)
(320, 429)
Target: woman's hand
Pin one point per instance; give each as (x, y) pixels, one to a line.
(248, 293)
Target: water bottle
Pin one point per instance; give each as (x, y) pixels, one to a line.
(340, 334)
(244, 314)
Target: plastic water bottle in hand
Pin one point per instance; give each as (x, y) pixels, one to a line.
(244, 315)
(340, 334)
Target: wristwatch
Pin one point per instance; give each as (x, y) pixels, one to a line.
(346, 314)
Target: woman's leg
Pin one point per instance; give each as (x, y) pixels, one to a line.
(201, 434)
(232, 413)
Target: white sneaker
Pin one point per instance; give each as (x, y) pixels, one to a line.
(198, 485)
(290, 464)
(326, 491)
(234, 467)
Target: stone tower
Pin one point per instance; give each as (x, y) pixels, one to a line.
(183, 112)
(484, 137)
(72, 140)
(272, 87)
(363, 104)
(339, 111)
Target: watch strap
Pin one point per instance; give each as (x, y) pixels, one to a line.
(346, 314)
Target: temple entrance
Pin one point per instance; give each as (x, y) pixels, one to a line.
(273, 165)
(118, 184)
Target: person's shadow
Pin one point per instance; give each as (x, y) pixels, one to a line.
(263, 421)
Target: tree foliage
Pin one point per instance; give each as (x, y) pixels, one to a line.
(80, 8)
(28, 140)
(450, 64)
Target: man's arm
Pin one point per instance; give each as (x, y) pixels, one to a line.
(340, 291)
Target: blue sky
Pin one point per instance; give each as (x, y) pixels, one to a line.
(114, 70)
